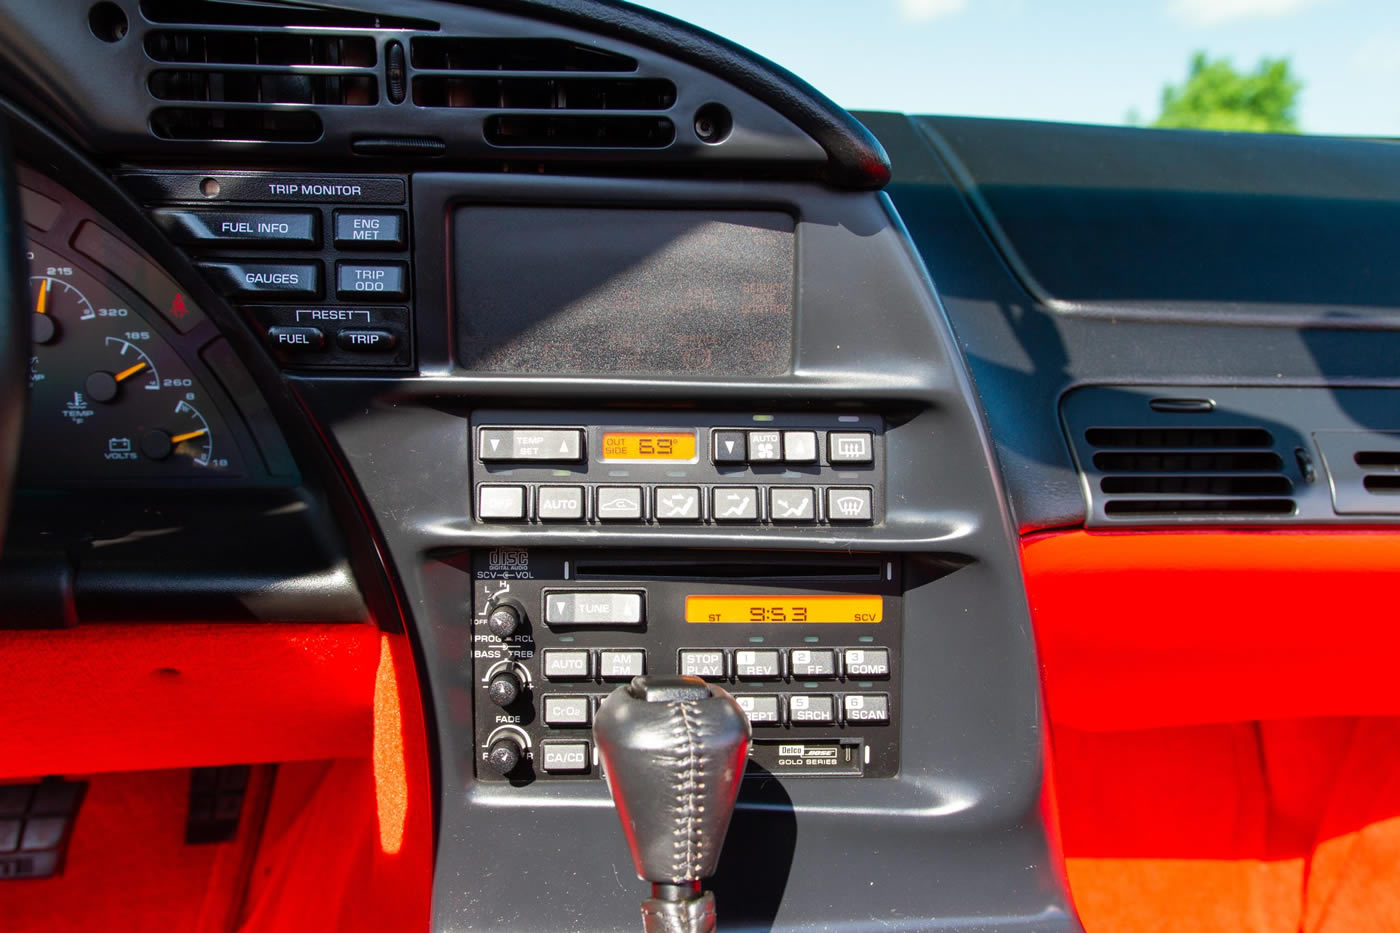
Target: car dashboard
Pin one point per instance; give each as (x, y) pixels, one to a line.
(404, 380)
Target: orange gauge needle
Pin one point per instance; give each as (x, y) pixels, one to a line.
(130, 371)
(43, 297)
(189, 435)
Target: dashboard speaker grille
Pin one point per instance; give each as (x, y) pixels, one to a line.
(1216, 471)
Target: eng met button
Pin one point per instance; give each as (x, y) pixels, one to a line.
(369, 229)
(592, 607)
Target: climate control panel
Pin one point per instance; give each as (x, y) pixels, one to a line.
(807, 644)
(670, 469)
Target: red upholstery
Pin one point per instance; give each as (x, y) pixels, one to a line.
(342, 844)
(1186, 678)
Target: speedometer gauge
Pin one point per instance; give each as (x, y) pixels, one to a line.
(110, 398)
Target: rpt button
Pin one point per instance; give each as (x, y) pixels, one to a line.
(762, 709)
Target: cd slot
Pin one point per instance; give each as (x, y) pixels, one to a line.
(809, 569)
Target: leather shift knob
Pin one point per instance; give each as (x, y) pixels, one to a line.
(674, 749)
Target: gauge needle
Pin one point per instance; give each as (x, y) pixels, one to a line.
(43, 297)
(189, 435)
(130, 371)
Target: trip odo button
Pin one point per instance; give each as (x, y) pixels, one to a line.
(376, 281)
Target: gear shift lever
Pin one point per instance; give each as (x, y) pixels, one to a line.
(674, 749)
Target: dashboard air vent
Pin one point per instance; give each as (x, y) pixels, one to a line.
(607, 104)
(1363, 469)
(1188, 471)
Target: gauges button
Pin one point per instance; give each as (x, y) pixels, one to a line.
(299, 339)
(239, 227)
(265, 279)
(375, 281)
(366, 341)
(369, 230)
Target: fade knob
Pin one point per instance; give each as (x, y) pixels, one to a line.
(504, 755)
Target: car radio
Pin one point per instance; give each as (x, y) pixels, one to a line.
(808, 645)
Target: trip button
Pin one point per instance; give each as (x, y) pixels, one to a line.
(297, 339)
(265, 279)
(375, 281)
(751, 664)
(812, 663)
(762, 709)
(564, 757)
(369, 230)
(817, 709)
(239, 227)
(703, 663)
(868, 708)
(366, 341)
(867, 662)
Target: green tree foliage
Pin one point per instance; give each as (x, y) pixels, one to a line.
(1217, 97)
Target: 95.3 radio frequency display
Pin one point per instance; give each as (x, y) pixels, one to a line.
(843, 609)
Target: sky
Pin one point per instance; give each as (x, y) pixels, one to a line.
(1087, 61)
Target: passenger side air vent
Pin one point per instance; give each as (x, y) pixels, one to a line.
(1187, 471)
(1364, 470)
(537, 78)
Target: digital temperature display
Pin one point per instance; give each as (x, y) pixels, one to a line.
(816, 609)
(650, 445)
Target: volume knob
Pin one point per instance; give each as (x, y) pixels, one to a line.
(503, 621)
(504, 755)
(504, 688)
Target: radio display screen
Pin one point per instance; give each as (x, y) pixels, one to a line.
(844, 609)
(649, 445)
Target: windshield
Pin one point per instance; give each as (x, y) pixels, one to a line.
(1311, 66)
